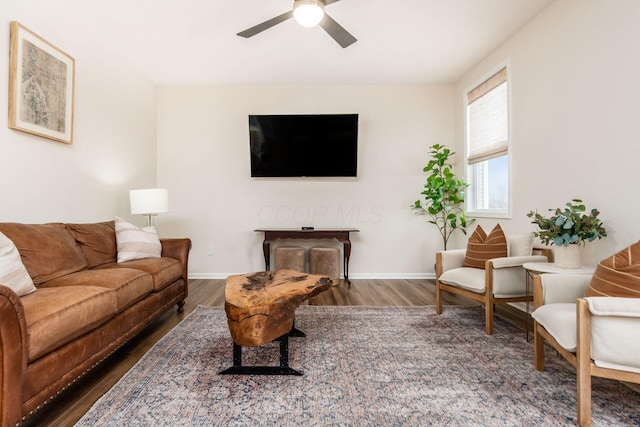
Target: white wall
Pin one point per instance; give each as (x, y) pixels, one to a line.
(575, 86)
(114, 146)
(574, 89)
(203, 148)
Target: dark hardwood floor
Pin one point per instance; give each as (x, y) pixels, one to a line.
(69, 407)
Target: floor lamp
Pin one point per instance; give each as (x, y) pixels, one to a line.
(149, 202)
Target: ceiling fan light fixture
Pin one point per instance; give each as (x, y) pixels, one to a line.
(308, 13)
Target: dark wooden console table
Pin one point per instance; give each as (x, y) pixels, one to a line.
(340, 234)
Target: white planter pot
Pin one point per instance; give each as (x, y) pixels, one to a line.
(567, 256)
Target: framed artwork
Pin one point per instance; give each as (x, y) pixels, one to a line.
(41, 83)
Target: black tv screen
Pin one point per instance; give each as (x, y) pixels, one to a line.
(320, 145)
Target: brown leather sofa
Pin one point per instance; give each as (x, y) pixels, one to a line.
(85, 307)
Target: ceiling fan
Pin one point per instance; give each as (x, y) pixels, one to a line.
(307, 13)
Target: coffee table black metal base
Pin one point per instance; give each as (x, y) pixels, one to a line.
(283, 369)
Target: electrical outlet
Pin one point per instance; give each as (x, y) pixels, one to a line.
(210, 250)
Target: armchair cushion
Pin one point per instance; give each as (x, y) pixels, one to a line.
(623, 307)
(618, 275)
(615, 332)
(516, 261)
(561, 288)
(560, 321)
(520, 244)
(452, 258)
(471, 279)
(481, 248)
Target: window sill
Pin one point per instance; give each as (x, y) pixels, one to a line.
(489, 214)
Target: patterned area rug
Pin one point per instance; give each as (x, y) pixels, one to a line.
(363, 366)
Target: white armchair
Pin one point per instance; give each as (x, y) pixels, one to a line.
(599, 336)
(503, 280)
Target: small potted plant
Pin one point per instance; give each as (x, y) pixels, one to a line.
(569, 229)
(443, 195)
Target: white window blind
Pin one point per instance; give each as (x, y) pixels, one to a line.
(488, 119)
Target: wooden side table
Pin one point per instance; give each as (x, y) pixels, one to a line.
(533, 268)
(261, 307)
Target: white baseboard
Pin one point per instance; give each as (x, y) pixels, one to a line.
(373, 276)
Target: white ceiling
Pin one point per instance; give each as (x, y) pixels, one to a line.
(401, 41)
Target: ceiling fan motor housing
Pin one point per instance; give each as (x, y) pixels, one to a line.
(308, 13)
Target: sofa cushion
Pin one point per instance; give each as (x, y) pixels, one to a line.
(97, 241)
(56, 316)
(164, 271)
(129, 285)
(136, 243)
(481, 248)
(13, 274)
(618, 275)
(47, 250)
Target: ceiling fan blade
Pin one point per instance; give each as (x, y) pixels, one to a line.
(250, 32)
(337, 31)
(328, 2)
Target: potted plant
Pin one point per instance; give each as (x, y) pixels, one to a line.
(443, 195)
(569, 229)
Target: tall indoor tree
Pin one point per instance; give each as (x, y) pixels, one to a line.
(443, 196)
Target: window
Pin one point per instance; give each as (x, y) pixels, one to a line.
(488, 146)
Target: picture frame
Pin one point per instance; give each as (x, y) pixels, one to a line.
(41, 86)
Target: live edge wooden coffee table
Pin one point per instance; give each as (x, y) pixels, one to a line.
(260, 308)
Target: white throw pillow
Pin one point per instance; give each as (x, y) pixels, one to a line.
(136, 243)
(520, 244)
(13, 274)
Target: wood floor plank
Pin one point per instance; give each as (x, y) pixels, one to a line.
(67, 409)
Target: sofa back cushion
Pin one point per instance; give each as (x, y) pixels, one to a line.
(481, 248)
(97, 241)
(47, 250)
(618, 275)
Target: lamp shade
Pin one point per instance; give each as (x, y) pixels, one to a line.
(308, 13)
(149, 201)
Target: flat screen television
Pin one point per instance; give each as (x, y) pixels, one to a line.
(308, 145)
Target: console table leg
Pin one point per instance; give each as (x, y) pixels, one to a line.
(266, 249)
(347, 255)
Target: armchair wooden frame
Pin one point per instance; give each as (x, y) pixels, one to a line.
(486, 298)
(581, 360)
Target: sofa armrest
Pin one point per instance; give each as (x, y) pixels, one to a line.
(559, 288)
(448, 260)
(178, 249)
(13, 355)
